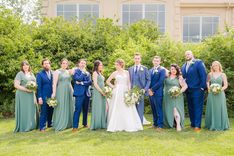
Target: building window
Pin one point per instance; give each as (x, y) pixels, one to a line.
(132, 13)
(78, 11)
(196, 28)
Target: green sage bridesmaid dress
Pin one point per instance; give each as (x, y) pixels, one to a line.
(25, 107)
(98, 116)
(216, 109)
(170, 103)
(63, 112)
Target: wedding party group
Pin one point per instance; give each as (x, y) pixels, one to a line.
(117, 103)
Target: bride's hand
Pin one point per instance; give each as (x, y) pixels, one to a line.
(103, 94)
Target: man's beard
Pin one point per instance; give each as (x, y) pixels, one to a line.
(189, 59)
(46, 69)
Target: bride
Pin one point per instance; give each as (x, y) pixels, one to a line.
(120, 116)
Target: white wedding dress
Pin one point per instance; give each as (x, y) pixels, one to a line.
(120, 116)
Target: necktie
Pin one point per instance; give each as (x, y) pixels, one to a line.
(187, 66)
(48, 74)
(136, 69)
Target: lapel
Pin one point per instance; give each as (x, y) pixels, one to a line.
(132, 72)
(184, 69)
(140, 71)
(152, 72)
(155, 74)
(190, 66)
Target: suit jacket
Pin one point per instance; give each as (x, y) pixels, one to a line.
(196, 75)
(157, 80)
(144, 77)
(44, 85)
(86, 82)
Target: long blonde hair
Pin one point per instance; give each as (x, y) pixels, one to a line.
(219, 64)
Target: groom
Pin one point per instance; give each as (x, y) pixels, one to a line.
(194, 72)
(139, 77)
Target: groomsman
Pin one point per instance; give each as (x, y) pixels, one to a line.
(139, 77)
(82, 84)
(158, 75)
(194, 72)
(44, 91)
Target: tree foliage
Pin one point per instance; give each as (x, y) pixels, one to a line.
(103, 40)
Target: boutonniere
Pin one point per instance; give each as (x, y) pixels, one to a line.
(156, 71)
(141, 68)
(85, 72)
(192, 63)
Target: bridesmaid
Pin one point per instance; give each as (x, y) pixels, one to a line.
(216, 109)
(63, 92)
(25, 105)
(98, 117)
(174, 107)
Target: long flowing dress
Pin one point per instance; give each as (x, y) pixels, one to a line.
(169, 103)
(63, 112)
(25, 107)
(98, 116)
(216, 109)
(120, 116)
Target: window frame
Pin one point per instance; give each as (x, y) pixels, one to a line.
(144, 12)
(200, 36)
(77, 9)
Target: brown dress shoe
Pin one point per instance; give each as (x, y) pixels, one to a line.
(159, 129)
(197, 129)
(74, 129)
(85, 126)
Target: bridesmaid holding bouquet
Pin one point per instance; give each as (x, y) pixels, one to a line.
(216, 109)
(63, 92)
(25, 102)
(173, 102)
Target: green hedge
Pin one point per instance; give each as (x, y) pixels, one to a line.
(104, 40)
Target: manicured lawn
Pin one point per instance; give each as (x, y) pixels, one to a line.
(92, 143)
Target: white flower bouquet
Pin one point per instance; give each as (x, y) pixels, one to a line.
(31, 85)
(133, 96)
(52, 102)
(215, 88)
(108, 91)
(174, 91)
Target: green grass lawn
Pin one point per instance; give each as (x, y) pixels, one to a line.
(92, 143)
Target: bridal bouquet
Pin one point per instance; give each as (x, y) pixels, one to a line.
(52, 102)
(174, 91)
(108, 91)
(133, 96)
(31, 85)
(215, 88)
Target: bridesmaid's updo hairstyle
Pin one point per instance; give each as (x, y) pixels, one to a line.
(96, 65)
(121, 63)
(178, 72)
(64, 59)
(25, 62)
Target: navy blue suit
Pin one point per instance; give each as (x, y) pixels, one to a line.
(156, 85)
(44, 91)
(140, 79)
(82, 96)
(196, 79)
